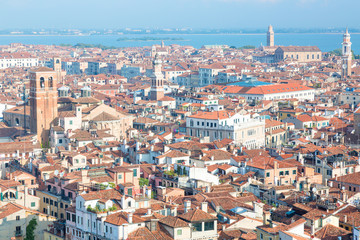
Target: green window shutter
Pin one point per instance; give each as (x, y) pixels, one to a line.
(16, 195)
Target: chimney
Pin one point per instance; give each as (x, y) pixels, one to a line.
(275, 165)
(143, 191)
(217, 209)
(344, 196)
(78, 111)
(153, 224)
(264, 218)
(26, 193)
(148, 211)
(123, 201)
(84, 176)
(175, 211)
(212, 158)
(187, 205)
(130, 217)
(312, 227)
(204, 206)
(148, 192)
(270, 223)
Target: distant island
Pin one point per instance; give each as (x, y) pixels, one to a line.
(88, 45)
(144, 39)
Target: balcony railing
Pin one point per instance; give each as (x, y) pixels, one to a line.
(325, 204)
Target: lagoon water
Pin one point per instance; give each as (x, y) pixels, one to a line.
(326, 42)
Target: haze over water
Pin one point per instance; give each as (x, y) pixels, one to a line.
(326, 42)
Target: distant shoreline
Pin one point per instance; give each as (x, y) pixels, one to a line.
(149, 39)
(160, 34)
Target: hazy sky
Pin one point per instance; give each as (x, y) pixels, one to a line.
(178, 13)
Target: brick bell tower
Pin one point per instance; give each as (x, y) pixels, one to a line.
(43, 102)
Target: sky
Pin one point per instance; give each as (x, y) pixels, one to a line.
(226, 14)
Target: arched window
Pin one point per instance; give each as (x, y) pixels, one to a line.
(42, 82)
(57, 61)
(9, 195)
(17, 121)
(50, 82)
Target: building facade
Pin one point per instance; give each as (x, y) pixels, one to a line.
(217, 125)
(298, 53)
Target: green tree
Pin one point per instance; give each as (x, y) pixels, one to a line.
(247, 47)
(30, 228)
(336, 52)
(143, 181)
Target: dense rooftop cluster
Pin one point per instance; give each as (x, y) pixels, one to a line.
(173, 142)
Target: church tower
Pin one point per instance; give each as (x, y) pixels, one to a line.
(57, 68)
(346, 56)
(270, 37)
(43, 102)
(157, 80)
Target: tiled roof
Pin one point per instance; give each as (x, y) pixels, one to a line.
(105, 117)
(353, 178)
(174, 222)
(331, 232)
(300, 48)
(213, 115)
(272, 89)
(197, 215)
(9, 209)
(121, 218)
(173, 154)
(103, 194)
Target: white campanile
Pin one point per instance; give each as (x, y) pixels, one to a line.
(346, 56)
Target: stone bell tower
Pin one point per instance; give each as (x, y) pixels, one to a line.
(270, 37)
(157, 80)
(346, 56)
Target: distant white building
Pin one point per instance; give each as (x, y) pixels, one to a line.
(11, 60)
(250, 132)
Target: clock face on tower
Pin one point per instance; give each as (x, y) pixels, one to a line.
(344, 65)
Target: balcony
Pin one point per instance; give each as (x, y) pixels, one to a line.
(18, 233)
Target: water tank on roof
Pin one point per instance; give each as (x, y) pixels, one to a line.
(86, 91)
(63, 91)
